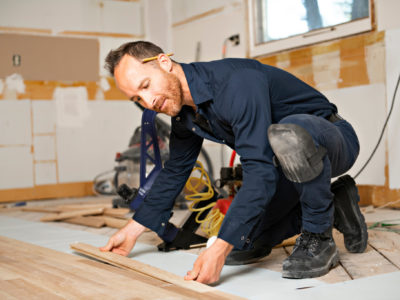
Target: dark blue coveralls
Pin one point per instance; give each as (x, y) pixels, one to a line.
(239, 99)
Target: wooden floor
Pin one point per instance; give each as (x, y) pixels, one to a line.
(381, 256)
(32, 272)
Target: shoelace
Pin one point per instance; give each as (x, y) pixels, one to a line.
(308, 242)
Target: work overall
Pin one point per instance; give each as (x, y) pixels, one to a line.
(309, 205)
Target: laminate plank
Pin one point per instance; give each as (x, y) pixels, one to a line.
(73, 277)
(66, 215)
(116, 212)
(76, 280)
(137, 266)
(114, 222)
(41, 209)
(72, 207)
(131, 264)
(22, 289)
(90, 221)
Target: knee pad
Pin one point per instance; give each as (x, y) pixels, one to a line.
(295, 151)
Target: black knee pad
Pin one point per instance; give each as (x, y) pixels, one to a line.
(294, 149)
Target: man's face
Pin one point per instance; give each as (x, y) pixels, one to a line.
(152, 85)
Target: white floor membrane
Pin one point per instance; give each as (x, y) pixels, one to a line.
(246, 281)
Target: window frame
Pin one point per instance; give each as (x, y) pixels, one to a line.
(305, 39)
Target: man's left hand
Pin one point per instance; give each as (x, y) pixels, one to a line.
(208, 266)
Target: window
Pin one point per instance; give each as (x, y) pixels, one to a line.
(282, 24)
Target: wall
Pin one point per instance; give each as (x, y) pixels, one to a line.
(39, 155)
(357, 73)
(58, 133)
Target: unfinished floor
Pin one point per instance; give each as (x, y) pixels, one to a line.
(375, 269)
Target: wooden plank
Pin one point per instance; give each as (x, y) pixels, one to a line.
(116, 212)
(73, 277)
(386, 243)
(115, 222)
(359, 265)
(22, 289)
(66, 215)
(72, 207)
(91, 221)
(288, 242)
(47, 191)
(127, 263)
(41, 209)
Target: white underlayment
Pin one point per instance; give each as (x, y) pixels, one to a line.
(245, 281)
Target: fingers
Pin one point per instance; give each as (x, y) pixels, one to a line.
(109, 245)
(193, 274)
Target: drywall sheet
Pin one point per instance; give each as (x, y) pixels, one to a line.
(182, 10)
(246, 281)
(45, 173)
(49, 57)
(392, 75)
(15, 122)
(44, 116)
(44, 146)
(72, 106)
(209, 40)
(387, 14)
(105, 16)
(85, 152)
(365, 108)
(106, 44)
(16, 167)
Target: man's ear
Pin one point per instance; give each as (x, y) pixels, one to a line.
(165, 62)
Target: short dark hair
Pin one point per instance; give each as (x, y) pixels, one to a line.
(138, 50)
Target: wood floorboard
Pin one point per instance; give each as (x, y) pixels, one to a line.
(387, 244)
(360, 265)
(51, 274)
(382, 255)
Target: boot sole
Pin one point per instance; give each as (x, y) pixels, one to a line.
(245, 258)
(317, 272)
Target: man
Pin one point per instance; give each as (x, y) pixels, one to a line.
(290, 141)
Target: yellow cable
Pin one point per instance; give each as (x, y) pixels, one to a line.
(212, 222)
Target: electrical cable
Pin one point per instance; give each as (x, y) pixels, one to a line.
(212, 222)
(383, 130)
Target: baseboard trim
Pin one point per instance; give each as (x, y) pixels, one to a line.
(39, 192)
(378, 195)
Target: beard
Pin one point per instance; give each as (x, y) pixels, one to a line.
(173, 96)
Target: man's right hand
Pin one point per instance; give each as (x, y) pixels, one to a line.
(123, 241)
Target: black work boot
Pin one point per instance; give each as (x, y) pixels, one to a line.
(348, 217)
(313, 255)
(244, 257)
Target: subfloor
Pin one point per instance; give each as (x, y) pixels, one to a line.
(382, 256)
